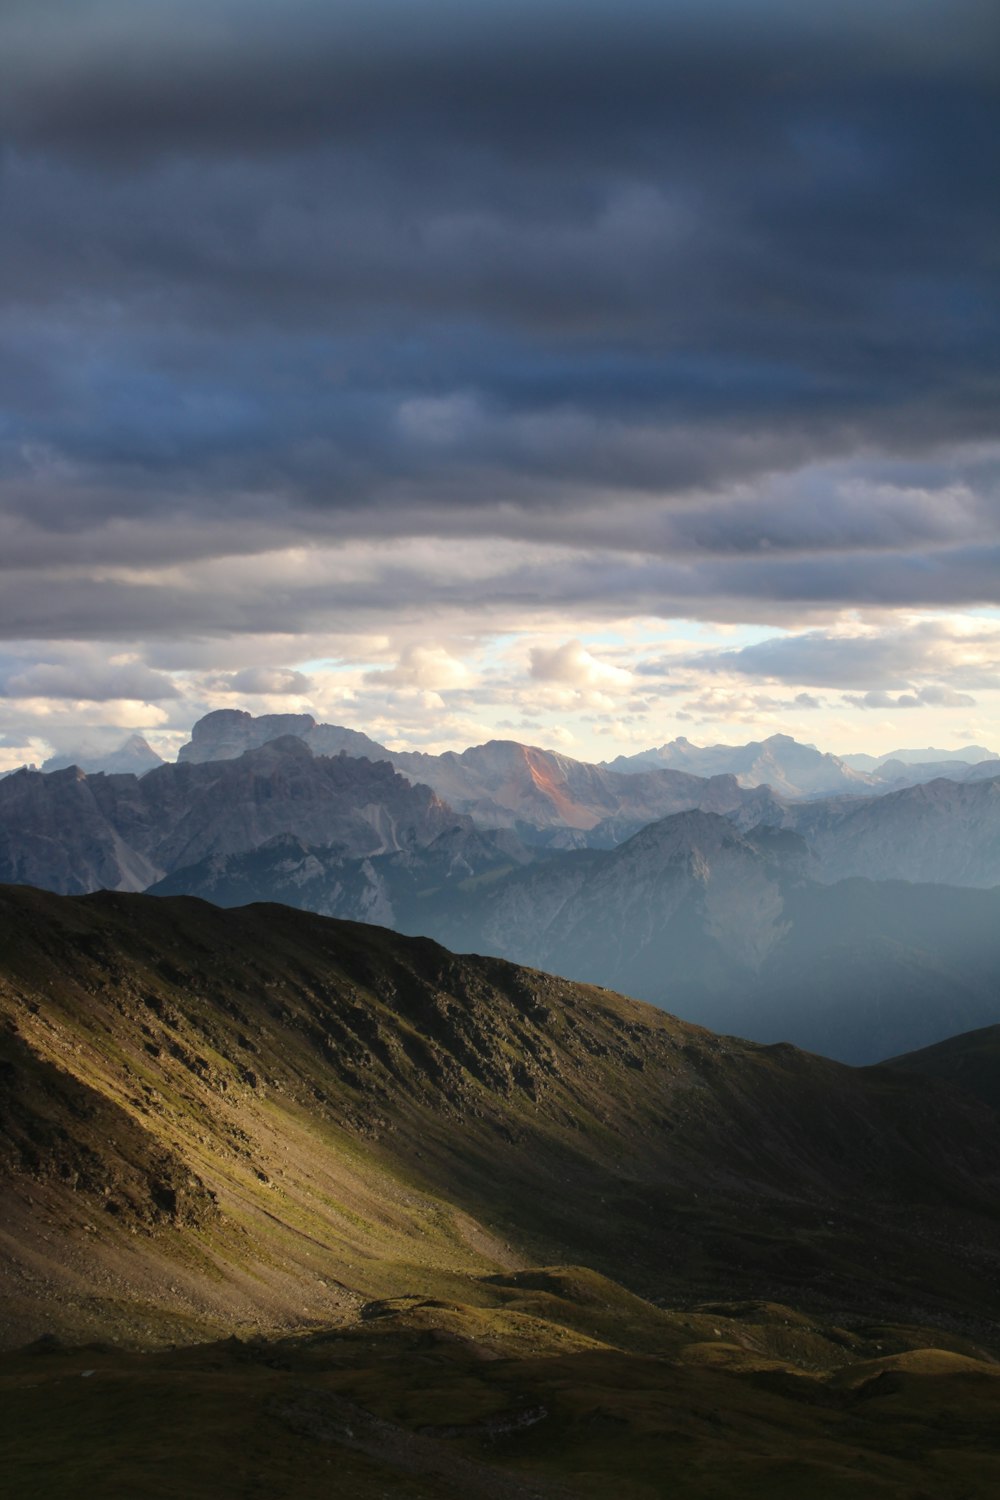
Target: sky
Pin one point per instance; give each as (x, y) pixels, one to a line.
(581, 373)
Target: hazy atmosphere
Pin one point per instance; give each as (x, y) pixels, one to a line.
(578, 376)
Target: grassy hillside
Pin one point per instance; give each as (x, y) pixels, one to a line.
(969, 1062)
(353, 1151)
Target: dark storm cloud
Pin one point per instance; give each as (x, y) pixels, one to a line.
(248, 74)
(220, 600)
(274, 273)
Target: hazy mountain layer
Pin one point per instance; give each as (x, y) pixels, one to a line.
(795, 772)
(134, 756)
(969, 754)
(780, 762)
(944, 831)
(726, 928)
(891, 775)
(730, 931)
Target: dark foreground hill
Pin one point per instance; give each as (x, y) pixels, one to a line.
(266, 1123)
(970, 1062)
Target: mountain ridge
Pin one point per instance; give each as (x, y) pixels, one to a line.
(500, 779)
(456, 1227)
(228, 1038)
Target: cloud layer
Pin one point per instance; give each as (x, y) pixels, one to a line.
(449, 322)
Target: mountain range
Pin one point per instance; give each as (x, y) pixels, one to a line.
(503, 782)
(944, 830)
(69, 832)
(743, 910)
(941, 831)
(72, 832)
(780, 762)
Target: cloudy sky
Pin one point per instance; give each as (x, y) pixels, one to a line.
(580, 373)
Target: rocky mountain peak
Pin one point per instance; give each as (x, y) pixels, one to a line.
(134, 756)
(228, 732)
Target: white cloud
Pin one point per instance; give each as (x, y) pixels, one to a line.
(430, 667)
(572, 665)
(268, 681)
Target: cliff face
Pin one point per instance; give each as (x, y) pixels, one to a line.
(229, 732)
(55, 832)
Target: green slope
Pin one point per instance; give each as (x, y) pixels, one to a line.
(355, 1150)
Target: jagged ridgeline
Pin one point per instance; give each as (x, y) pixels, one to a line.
(484, 1228)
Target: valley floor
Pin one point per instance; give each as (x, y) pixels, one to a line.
(561, 1385)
